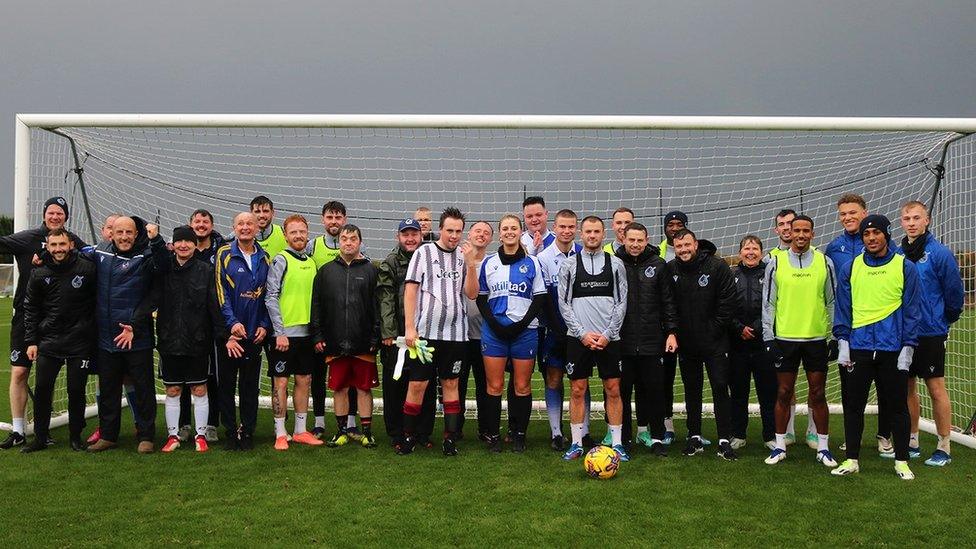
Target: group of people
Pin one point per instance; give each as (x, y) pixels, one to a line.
(444, 306)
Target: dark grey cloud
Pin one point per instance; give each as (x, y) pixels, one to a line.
(569, 57)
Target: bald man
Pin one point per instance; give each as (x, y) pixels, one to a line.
(123, 315)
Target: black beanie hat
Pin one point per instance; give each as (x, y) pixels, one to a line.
(184, 232)
(679, 215)
(876, 221)
(58, 201)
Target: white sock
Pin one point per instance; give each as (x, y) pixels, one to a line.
(280, 427)
(944, 444)
(320, 422)
(641, 429)
(913, 440)
(615, 431)
(201, 409)
(351, 422)
(789, 425)
(172, 415)
(300, 423)
(811, 423)
(822, 442)
(18, 425)
(781, 441)
(669, 424)
(578, 430)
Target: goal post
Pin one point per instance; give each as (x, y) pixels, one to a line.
(729, 173)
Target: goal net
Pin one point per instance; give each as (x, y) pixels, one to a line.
(729, 175)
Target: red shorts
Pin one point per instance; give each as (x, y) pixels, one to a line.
(352, 371)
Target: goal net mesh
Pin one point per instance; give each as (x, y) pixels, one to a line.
(729, 183)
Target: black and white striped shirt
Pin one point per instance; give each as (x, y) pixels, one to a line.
(441, 312)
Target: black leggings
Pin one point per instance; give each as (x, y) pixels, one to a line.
(880, 367)
(643, 376)
(694, 381)
(746, 363)
(47, 372)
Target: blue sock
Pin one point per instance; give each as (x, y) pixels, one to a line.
(130, 397)
(554, 408)
(586, 411)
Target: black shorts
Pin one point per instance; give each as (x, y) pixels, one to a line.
(177, 370)
(298, 360)
(929, 359)
(18, 349)
(580, 360)
(813, 354)
(447, 361)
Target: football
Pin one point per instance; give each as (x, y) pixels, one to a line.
(601, 462)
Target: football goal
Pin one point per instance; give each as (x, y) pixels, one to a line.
(730, 175)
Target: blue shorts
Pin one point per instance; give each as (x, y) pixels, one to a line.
(553, 356)
(523, 347)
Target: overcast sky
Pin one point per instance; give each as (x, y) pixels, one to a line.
(569, 57)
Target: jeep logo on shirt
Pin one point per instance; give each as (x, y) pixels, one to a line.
(450, 275)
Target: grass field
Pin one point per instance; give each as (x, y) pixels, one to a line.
(352, 496)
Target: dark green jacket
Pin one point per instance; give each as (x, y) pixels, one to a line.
(389, 285)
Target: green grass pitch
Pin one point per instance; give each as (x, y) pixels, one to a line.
(352, 496)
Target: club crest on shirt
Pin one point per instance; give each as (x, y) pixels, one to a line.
(649, 272)
(280, 366)
(523, 269)
(569, 367)
(77, 281)
(124, 266)
(14, 356)
(703, 280)
(456, 368)
(924, 258)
